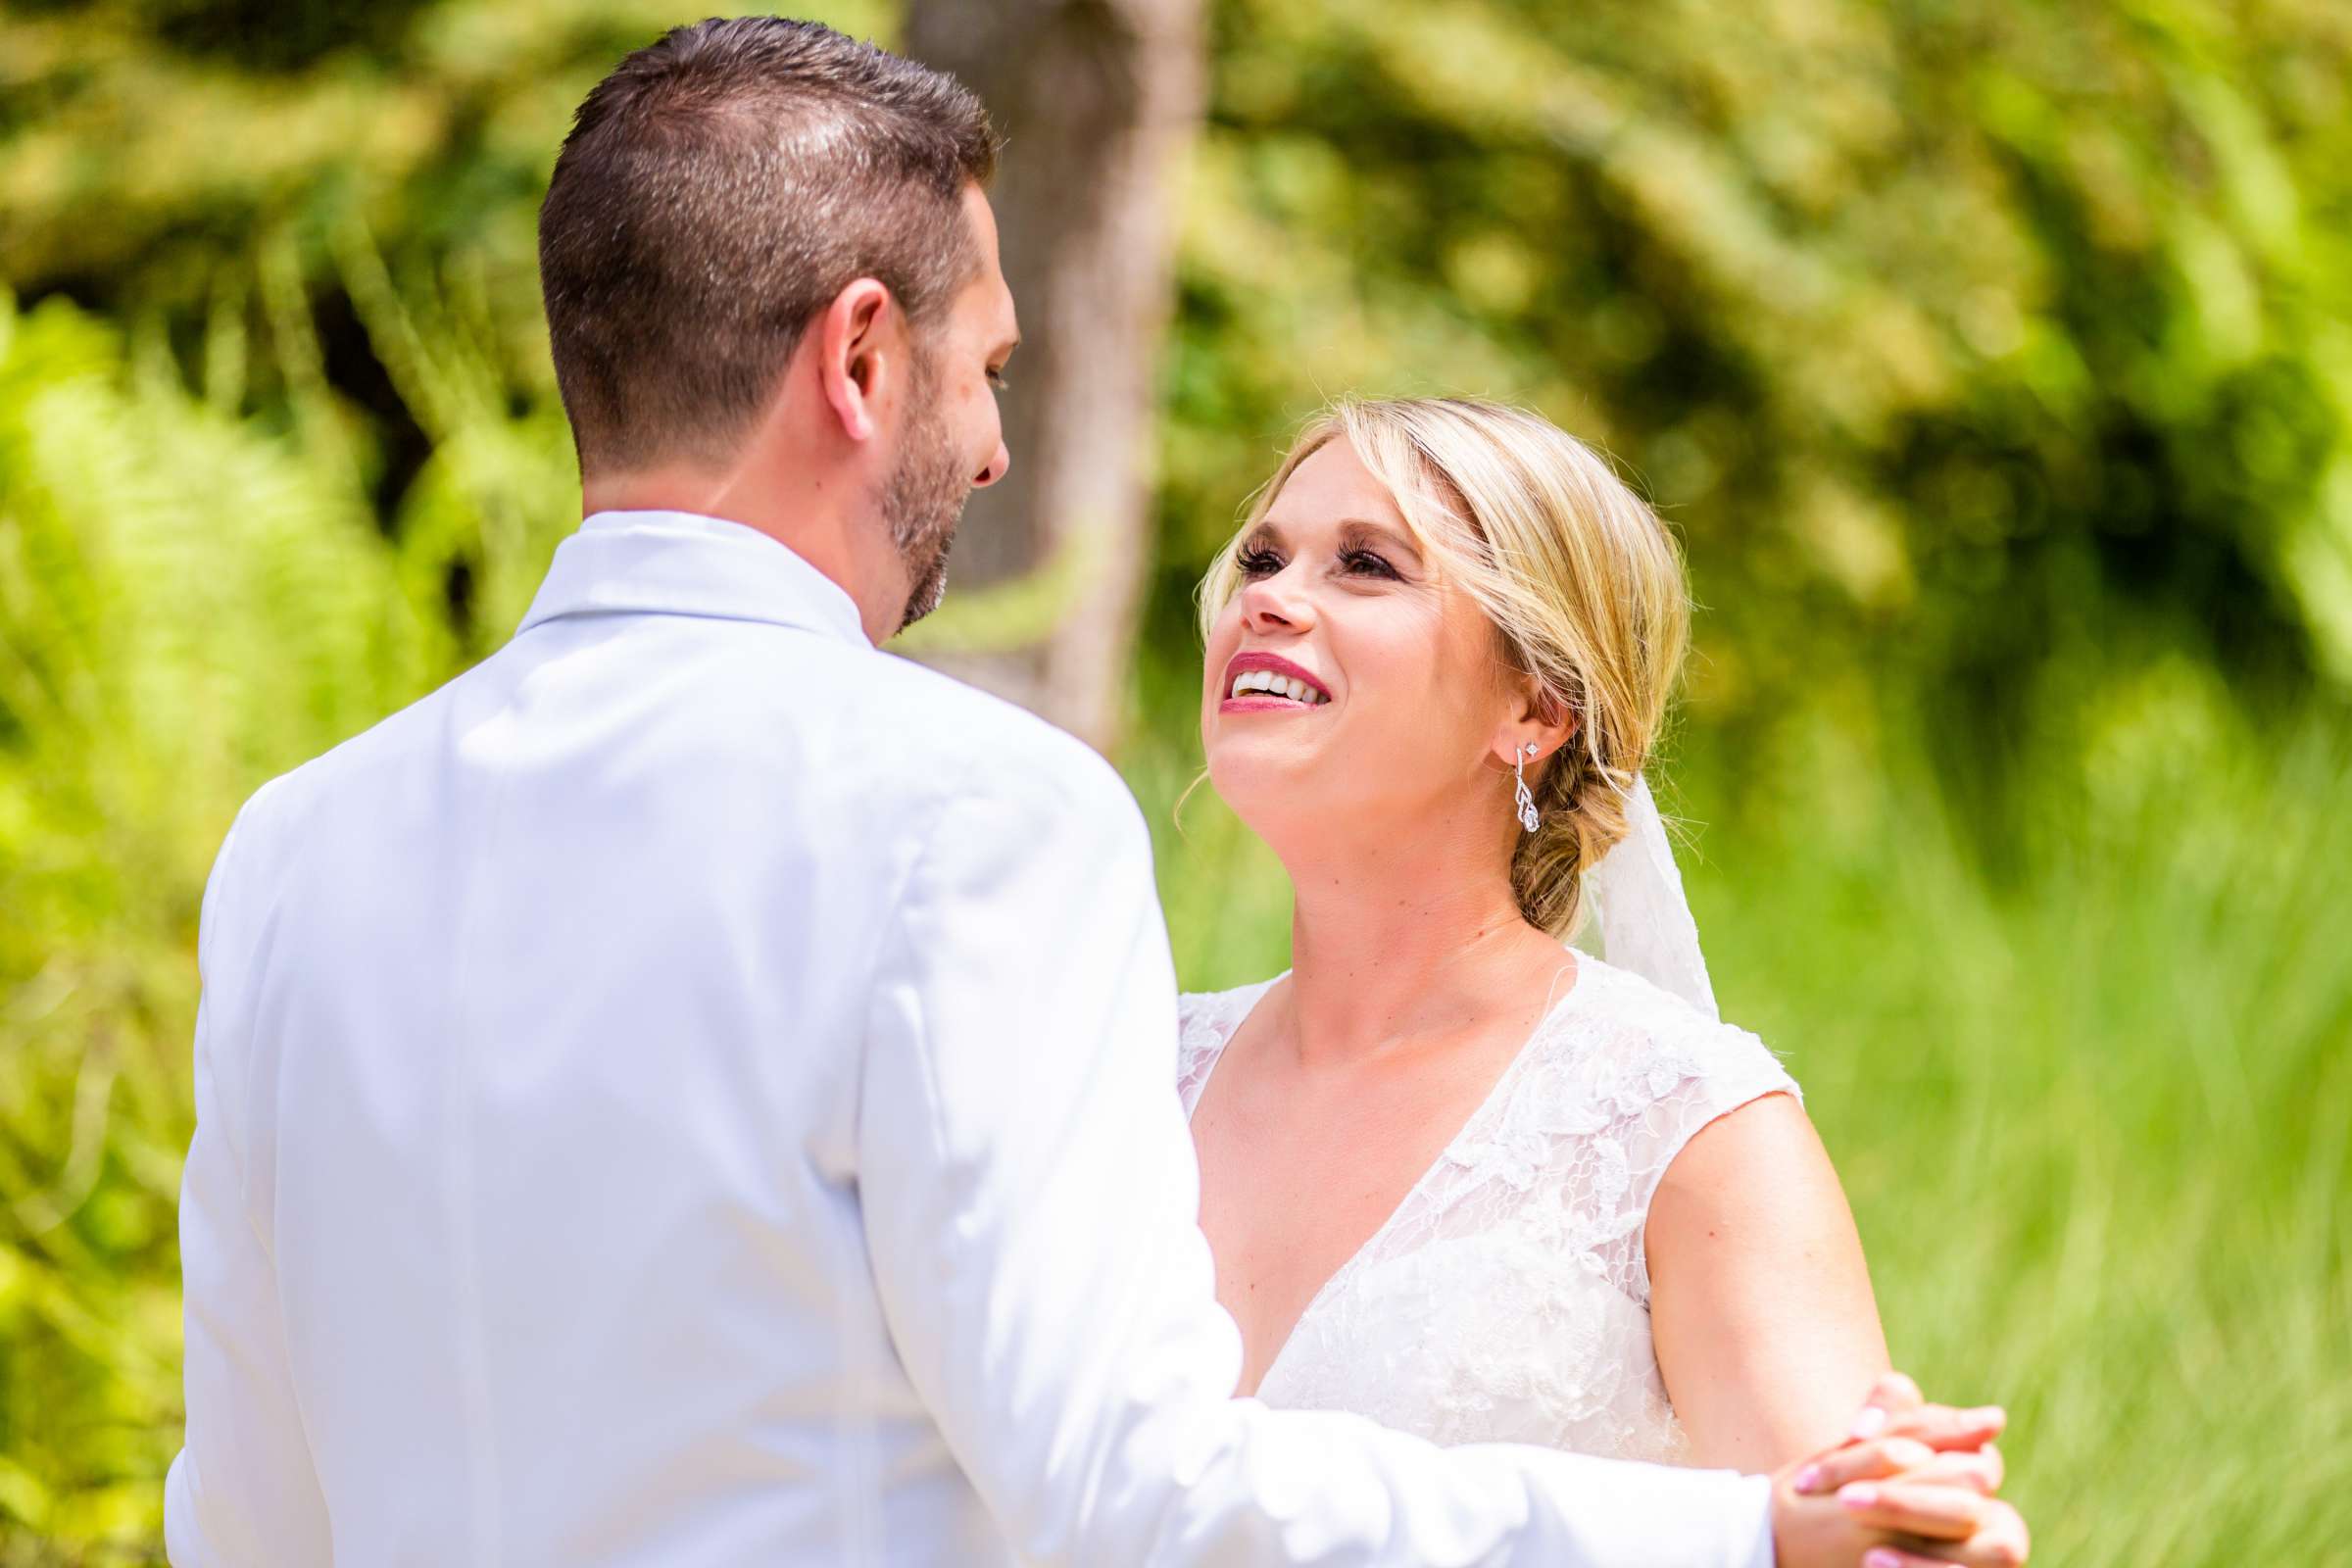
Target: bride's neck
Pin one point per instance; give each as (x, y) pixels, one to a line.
(1398, 940)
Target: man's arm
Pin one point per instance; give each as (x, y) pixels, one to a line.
(243, 1488)
(1030, 1199)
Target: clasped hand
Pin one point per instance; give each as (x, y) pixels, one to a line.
(1912, 1487)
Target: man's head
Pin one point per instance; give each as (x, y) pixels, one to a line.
(772, 281)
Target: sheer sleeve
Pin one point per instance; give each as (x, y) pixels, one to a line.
(1204, 1021)
(1664, 1076)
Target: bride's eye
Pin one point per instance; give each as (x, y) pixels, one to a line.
(1365, 564)
(1257, 562)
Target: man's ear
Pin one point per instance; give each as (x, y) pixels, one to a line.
(861, 342)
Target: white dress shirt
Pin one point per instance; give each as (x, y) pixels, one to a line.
(697, 1090)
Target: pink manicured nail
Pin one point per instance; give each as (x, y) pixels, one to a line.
(1861, 1497)
(1808, 1479)
(1870, 1423)
(1880, 1557)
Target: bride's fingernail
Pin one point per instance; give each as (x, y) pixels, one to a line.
(1808, 1479)
(1880, 1557)
(1870, 1423)
(1861, 1497)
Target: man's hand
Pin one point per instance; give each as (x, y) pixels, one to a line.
(1912, 1488)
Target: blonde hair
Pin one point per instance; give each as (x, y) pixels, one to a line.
(1583, 583)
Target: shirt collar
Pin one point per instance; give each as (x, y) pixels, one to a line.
(680, 563)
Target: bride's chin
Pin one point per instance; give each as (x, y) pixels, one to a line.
(1255, 784)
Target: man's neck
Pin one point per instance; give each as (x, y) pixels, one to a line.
(805, 516)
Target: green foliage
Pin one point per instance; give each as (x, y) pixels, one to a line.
(1923, 321)
(185, 606)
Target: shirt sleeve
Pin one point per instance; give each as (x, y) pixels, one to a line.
(243, 1488)
(1030, 1200)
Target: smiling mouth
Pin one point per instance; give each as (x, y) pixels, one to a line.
(1266, 683)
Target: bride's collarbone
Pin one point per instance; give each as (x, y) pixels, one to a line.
(1262, 1086)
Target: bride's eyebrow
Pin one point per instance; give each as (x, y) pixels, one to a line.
(1365, 531)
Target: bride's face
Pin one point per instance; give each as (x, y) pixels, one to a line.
(1391, 703)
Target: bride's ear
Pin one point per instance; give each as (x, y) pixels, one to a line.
(1542, 721)
(859, 349)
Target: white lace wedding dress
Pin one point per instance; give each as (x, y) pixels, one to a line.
(1507, 1298)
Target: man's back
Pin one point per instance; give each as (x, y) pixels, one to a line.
(532, 1022)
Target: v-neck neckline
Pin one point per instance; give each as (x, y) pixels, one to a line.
(1496, 1095)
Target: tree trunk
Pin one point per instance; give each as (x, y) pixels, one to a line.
(1097, 101)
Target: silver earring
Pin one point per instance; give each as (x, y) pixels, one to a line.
(1528, 818)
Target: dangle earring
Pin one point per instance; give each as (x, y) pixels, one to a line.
(1526, 801)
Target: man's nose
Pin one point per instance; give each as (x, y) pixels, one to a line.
(997, 463)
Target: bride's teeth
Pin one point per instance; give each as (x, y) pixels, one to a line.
(1274, 685)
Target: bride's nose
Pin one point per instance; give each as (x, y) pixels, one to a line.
(1271, 605)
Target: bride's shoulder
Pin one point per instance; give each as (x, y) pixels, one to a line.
(1637, 1045)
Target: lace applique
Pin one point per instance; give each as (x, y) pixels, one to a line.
(1507, 1298)
(1204, 1021)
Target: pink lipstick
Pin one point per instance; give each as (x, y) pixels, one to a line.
(1257, 682)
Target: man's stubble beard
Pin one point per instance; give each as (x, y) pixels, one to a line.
(923, 500)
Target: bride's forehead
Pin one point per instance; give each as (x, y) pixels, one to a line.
(1326, 497)
(1333, 476)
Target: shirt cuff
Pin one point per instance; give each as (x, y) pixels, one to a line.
(1760, 1552)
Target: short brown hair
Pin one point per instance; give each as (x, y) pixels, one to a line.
(717, 191)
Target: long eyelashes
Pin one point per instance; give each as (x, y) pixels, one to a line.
(1253, 563)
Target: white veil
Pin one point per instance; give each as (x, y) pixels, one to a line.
(1644, 920)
